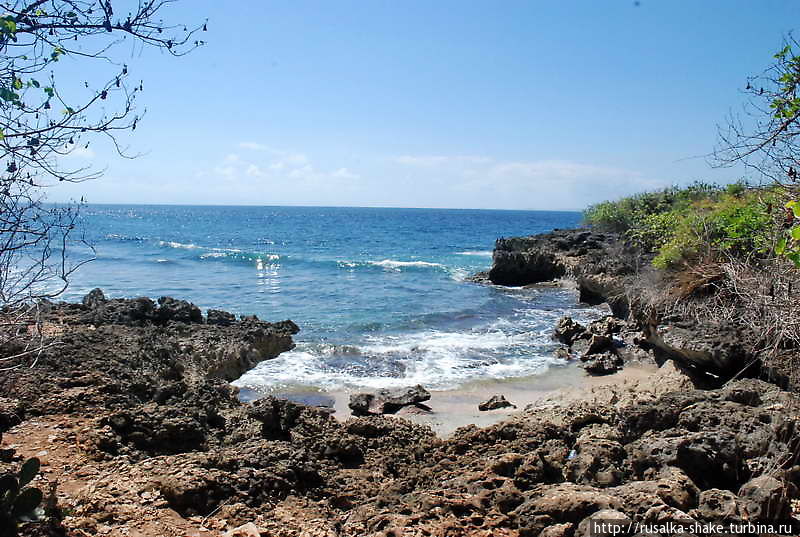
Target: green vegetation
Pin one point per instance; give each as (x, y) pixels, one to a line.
(681, 225)
(18, 502)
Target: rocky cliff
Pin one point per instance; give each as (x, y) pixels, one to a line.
(140, 434)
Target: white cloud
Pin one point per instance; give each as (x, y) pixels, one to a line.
(474, 181)
(439, 160)
(344, 173)
(254, 171)
(292, 169)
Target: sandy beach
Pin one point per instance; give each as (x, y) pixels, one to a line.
(451, 409)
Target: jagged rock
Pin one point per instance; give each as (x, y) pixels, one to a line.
(11, 413)
(750, 392)
(597, 461)
(670, 486)
(387, 401)
(601, 364)
(245, 530)
(679, 522)
(94, 298)
(658, 413)
(715, 349)
(513, 267)
(277, 416)
(766, 498)
(221, 318)
(717, 504)
(546, 505)
(563, 353)
(592, 526)
(599, 344)
(495, 402)
(607, 326)
(170, 309)
(567, 330)
(558, 530)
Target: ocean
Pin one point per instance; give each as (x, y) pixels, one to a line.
(379, 294)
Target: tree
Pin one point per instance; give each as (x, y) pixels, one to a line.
(46, 112)
(766, 137)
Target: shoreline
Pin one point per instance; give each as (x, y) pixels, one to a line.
(141, 433)
(451, 409)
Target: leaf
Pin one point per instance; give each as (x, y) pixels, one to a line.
(49, 91)
(29, 471)
(34, 83)
(8, 95)
(8, 485)
(780, 248)
(2, 135)
(28, 500)
(795, 258)
(17, 84)
(796, 233)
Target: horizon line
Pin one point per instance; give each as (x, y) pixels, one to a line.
(168, 204)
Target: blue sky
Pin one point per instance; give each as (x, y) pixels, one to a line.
(478, 104)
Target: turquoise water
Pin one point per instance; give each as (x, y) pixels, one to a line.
(379, 294)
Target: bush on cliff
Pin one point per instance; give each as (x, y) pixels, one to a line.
(701, 221)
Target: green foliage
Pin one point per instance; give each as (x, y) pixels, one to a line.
(19, 502)
(788, 245)
(627, 213)
(737, 225)
(785, 103)
(680, 224)
(654, 230)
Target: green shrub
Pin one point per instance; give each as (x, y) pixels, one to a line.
(18, 502)
(738, 225)
(627, 213)
(683, 224)
(652, 231)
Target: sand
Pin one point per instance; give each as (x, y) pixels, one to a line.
(451, 409)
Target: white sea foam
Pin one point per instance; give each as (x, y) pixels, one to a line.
(181, 245)
(392, 264)
(436, 359)
(486, 253)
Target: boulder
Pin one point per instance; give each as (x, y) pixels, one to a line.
(245, 530)
(607, 326)
(605, 523)
(670, 486)
(601, 364)
(547, 505)
(596, 461)
(219, 317)
(512, 265)
(94, 299)
(567, 330)
(766, 498)
(599, 344)
(716, 505)
(495, 402)
(715, 349)
(170, 309)
(387, 401)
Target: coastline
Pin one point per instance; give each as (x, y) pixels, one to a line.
(458, 407)
(141, 433)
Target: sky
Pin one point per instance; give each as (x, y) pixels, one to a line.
(456, 104)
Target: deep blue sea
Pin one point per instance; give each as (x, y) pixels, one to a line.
(379, 294)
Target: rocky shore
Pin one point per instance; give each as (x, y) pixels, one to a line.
(141, 434)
